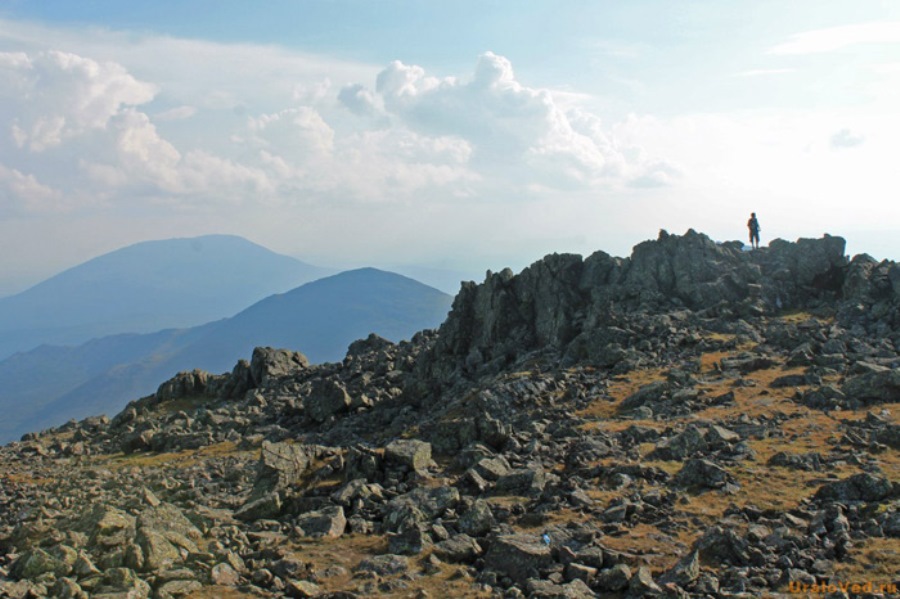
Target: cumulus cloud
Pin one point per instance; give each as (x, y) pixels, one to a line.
(845, 138)
(357, 99)
(85, 116)
(298, 132)
(24, 194)
(311, 93)
(510, 125)
(395, 164)
(431, 137)
(144, 159)
(57, 96)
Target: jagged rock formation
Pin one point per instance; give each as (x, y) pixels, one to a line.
(694, 420)
(568, 304)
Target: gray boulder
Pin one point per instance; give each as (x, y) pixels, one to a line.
(282, 465)
(859, 487)
(702, 474)
(158, 553)
(890, 436)
(384, 565)
(681, 446)
(184, 384)
(459, 548)
(106, 526)
(327, 398)
(478, 520)
(613, 579)
(649, 393)
(880, 386)
(268, 363)
(685, 572)
(518, 556)
(328, 522)
(411, 454)
(642, 584)
(522, 481)
(37, 562)
(263, 508)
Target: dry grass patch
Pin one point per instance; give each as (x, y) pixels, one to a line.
(617, 426)
(669, 466)
(605, 407)
(16, 478)
(219, 592)
(506, 501)
(184, 404)
(874, 560)
(180, 459)
(798, 316)
(658, 549)
(603, 497)
(719, 337)
(348, 551)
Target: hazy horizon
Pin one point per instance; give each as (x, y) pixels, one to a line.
(446, 137)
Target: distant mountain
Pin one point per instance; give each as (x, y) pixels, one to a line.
(147, 287)
(50, 385)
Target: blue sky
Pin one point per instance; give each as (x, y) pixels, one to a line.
(451, 135)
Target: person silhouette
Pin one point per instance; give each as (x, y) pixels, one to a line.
(753, 225)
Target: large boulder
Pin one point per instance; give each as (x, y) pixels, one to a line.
(698, 473)
(184, 384)
(411, 454)
(262, 508)
(37, 562)
(880, 385)
(281, 465)
(859, 487)
(459, 548)
(328, 522)
(681, 446)
(519, 556)
(268, 363)
(106, 526)
(327, 398)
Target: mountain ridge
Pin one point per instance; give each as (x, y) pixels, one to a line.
(323, 317)
(145, 287)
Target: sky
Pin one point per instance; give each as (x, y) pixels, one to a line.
(457, 136)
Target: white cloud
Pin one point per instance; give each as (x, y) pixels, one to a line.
(179, 113)
(357, 99)
(509, 124)
(257, 140)
(24, 194)
(311, 93)
(58, 95)
(398, 165)
(836, 38)
(145, 158)
(297, 132)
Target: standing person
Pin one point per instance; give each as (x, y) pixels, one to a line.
(753, 225)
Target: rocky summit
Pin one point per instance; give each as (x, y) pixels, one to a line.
(692, 421)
